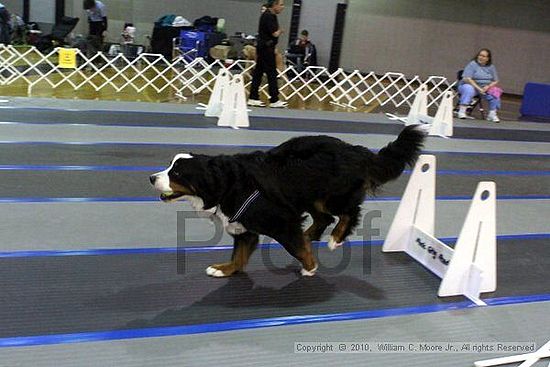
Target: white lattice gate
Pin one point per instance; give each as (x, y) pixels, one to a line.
(191, 76)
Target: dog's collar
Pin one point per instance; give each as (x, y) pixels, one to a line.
(245, 206)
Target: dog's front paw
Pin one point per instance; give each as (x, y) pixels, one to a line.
(308, 273)
(216, 273)
(220, 270)
(333, 245)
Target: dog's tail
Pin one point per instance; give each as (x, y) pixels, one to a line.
(394, 157)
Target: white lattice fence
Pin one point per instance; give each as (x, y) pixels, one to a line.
(190, 76)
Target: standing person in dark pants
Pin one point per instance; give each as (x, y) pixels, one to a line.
(5, 26)
(97, 20)
(268, 36)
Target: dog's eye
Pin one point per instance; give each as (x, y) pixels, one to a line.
(174, 173)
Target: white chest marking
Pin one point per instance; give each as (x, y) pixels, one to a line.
(198, 205)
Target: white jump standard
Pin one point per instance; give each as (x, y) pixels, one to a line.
(214, 107)
(228, 101)
(234, 111)
(527, 360)
(470, 268)
(439, 125)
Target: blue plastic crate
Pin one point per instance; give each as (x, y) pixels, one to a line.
(194, 39)
(536, 101)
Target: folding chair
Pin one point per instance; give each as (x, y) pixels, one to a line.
(475, 102)
(300, 59)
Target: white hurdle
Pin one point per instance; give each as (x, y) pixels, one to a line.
(527, 360)
(234, 111)
(215, 102)
(470, 268)
(228, 101)
(418, 114)
(442, 123)
(439, 125)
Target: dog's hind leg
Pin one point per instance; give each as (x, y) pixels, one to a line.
(345, 226)
(244, 245)
(320, 222)
(299, 246)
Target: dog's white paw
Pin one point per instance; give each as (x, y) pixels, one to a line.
(333, 245)
(213, 272)
(308, 273)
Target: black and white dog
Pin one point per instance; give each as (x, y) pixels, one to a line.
(268, 192)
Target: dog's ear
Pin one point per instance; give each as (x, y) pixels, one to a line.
(197, 173)
(214, 183)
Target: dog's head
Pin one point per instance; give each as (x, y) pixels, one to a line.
(182, 177)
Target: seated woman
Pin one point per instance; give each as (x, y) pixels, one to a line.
(480, 77)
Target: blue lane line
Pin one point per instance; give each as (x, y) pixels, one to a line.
(124, 143)
(26, 341)
(78, 200)
(12, 200)
(225, 247)
(106, 111)
(490, 154)
(246, 146)
(98, 252)
(487, 172)
(35, 167)
(463, 198)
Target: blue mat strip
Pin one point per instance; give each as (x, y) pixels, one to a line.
(160, 250)
(32, 167)
(256, 323)
(247, 146)
(12, 200)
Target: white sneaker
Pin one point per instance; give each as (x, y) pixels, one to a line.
(493, 118)
(279, 104)
(255, 103)
(462, 115)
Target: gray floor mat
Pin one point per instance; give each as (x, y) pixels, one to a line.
(95, 293)
(125, 118)
(159, 155)
(115, 184)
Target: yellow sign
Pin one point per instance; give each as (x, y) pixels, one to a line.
(67, 58)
